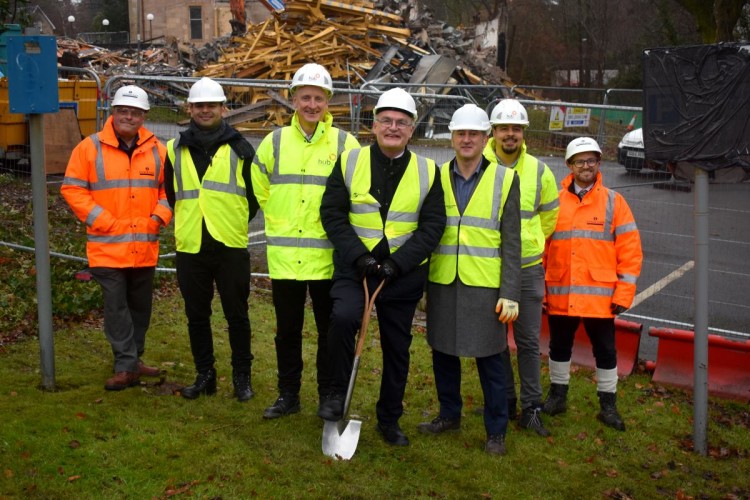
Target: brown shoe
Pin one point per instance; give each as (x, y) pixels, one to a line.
(147, 371)
(122, 380)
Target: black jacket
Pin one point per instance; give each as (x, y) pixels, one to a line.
(385, 177)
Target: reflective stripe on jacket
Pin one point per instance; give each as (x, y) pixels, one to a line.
(539, 202)
(116, 195)
(403, 214)
(594, 256)
(289, 174)
(471, 241)
(219, 199)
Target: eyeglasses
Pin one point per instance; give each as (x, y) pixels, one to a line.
(134, 113)
(399, 124)
(588, 161)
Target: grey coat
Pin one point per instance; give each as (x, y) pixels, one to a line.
(461, 319)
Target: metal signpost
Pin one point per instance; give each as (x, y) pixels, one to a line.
(33, 90)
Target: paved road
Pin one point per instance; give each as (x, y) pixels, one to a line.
(665, 220)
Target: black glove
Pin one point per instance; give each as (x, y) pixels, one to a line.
(367, 265)
(388, 271)
(617, 309)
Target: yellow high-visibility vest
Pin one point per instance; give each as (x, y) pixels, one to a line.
(403, 215)
(470, 245)
(220, 199)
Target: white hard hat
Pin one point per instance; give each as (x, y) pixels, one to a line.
(581, 145)
(509, 112)
(132, 96)
(469, 117)
(315, 75)
(206, 90)
(397, 98)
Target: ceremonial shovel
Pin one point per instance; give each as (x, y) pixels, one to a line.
(340, 438)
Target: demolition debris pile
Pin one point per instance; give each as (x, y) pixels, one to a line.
(357, 41)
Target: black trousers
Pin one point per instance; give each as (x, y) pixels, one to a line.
(128, 297)
(229, 269)
(395, 313)
(601, 333)
(289, 298)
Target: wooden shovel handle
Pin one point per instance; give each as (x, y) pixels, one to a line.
(369, 304)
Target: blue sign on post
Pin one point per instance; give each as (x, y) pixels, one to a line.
(32, 74)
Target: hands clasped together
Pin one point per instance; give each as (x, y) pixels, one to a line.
(368, 266)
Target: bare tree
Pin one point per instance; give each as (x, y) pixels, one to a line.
(715, 19)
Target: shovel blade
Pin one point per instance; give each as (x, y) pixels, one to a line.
(340, 438)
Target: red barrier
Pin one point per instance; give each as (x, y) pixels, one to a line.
(728, 363)
(627, 342)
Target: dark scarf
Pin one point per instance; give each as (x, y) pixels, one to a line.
(206, 138)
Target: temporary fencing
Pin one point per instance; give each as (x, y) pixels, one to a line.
(663, 215)
(728, 363)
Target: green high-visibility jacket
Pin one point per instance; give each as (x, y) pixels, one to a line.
(289, 174)
(540, 202)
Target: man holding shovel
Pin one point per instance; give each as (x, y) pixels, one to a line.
(383, 211)
(475, 274)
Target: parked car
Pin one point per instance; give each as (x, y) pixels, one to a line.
(631, 153)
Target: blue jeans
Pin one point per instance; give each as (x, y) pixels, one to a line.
(447, 369)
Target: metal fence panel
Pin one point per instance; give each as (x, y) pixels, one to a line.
(662, 206)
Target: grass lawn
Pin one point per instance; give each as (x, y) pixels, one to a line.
(82, 442)
(146, 442)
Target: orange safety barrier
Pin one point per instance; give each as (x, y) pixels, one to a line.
(728, 363)
(627, 342)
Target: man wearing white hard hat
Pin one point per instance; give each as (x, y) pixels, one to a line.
(475, 277)
(114, 183)
(213, 207)
(289, 173)
(592, 263)
(539, 208)
(383, 211)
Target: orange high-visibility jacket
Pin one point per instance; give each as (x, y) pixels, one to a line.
(594, 256)
(115, 196)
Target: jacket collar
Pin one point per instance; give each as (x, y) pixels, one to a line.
(567, 183)
(380, 158)
(320, 130)
(490, 152)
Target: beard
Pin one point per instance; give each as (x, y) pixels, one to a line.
(509, 150)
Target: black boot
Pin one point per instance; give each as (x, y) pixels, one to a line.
(243, 391)
(205, 383)
(608, 414)
(557, 399)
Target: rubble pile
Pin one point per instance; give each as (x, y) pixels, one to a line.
(155, 60)
(358, 41)
(348, 37)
